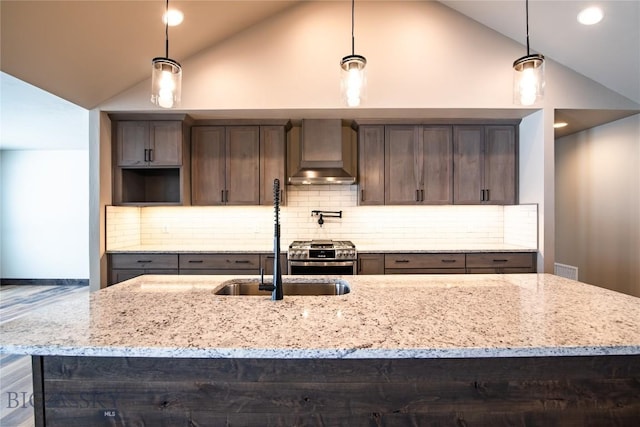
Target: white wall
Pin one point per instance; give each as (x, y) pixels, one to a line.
(44, 214)
(598, 204)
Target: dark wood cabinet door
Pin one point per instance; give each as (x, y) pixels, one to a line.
(273, 155)
(403, 165)
(371, 165)
(500, 165)
(208, 165)
(370, 263)
(267, 262)
(165, 143)
(131, 142)
(438, 165)
(468, 164)
(243, 165)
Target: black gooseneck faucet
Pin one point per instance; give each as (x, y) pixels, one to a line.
(276, 287)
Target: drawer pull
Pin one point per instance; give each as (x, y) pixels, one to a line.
(500, 260)
(195, 261)
(242, 261)
(449, 260)
(401, 261)
(144, 261)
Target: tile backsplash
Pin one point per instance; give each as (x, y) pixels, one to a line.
(369, 227)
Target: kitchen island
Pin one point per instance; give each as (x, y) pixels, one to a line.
(478, 349)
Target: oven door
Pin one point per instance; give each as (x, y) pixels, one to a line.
(324, 268)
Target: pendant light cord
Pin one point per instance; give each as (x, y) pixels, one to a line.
(527, 17)
(166, 29)
(353, 37)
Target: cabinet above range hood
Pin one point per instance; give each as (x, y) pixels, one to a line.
(322, 151)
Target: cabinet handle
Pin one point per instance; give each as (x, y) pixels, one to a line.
(449, 260)
(242, 261)
(422, 195)
(500, 260)
(487, 196)
(151, 154)
(417, 195)
(144, 261)
(222, 196)
(482, 195)
(362, 195)
(195, 261)
(146, 155)
(226, 196)
(401, 261)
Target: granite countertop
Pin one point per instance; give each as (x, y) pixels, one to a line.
(400, 316)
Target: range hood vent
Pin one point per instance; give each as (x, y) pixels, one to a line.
(322, 151)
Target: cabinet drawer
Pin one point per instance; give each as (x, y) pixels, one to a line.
(144, 261)
(500, 260)
(413, 261)
(220, 261)
(425, 271)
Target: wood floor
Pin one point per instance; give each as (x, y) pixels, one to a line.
(15, 370)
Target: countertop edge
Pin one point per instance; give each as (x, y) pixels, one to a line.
(232, 353)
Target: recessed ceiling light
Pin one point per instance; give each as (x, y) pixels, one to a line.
(591, 15)
(558, 125)
(175, 17)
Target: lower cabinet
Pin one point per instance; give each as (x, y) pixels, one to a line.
(267, 263)
(127, 266)
(219, 264)
(444, 263)
(501, 262)
(370, 263)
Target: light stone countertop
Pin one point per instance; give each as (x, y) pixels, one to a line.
(386, 316)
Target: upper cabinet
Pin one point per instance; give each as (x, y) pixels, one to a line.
(485, 165)
(149, 143)
(168, 159)
(371, 165)
(225, 165)
(236, 164)
(273, 162)
(149, 160)
(437, 164)
(418, 165)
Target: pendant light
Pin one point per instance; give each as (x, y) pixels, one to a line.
(353, 79)
(528, 74)
(166, 77)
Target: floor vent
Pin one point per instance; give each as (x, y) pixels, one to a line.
(564, 270)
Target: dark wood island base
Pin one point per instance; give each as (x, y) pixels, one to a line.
(534, 391)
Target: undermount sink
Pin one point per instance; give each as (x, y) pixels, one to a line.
(290, 287)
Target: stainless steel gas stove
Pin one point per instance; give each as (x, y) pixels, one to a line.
(322, 257)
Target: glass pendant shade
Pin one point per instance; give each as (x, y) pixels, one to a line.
(166, 82)
(353, 79)
(528, 79)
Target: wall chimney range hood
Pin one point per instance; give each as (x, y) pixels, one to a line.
(322, 151)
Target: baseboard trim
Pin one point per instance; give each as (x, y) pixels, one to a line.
(44, 282)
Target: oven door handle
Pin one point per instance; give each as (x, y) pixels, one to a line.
(321, 263)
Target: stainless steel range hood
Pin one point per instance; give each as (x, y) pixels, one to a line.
(322, 151)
